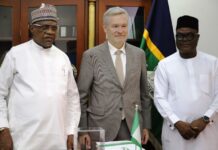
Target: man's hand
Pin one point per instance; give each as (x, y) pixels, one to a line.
(70, 142)
(145, 136)
(185, 130)
(198, 125)
(85, 141)
(6, 142)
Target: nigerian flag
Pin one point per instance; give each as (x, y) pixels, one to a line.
(158, 38)
(158, 42)
(135, 131)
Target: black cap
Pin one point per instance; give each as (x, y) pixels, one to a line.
(187, 21)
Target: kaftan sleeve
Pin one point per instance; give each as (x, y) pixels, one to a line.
(6, 79)
(214, 106)
(161, 85)
(73, 104)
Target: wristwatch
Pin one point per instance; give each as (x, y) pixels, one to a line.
(206, 119)
(2, 129)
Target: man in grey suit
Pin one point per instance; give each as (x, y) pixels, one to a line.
(110, 87)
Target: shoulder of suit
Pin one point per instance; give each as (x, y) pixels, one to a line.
(134, 48)
(130, 47)
(97, 49)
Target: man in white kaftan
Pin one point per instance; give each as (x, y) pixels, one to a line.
(186, 93)
(39, 100)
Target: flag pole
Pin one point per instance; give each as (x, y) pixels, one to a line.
(135, 131)
(136, 107)
(136, 110)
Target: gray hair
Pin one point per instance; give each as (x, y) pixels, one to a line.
(113, 11)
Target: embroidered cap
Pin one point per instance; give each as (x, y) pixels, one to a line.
(45, 12)
(187, 21)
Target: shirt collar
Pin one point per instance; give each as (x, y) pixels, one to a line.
(114, 49)
(40, 47)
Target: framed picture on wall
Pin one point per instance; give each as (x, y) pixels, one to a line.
(63, 31)
(67, 31)
(74, 31)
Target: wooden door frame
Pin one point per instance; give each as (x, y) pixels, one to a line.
(102, 6)
(25, 4)
(15, 4)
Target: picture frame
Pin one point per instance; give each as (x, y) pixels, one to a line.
(63, 31)
(67, 31)
(74, 32)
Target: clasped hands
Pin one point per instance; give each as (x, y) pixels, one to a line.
(190, 130)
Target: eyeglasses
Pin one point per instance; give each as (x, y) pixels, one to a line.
(45, 27)
(186, 36)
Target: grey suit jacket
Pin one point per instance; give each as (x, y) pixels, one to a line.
(102, 96)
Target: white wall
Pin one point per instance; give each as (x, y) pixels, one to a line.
(207, 13)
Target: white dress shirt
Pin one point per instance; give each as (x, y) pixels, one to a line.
(112, 50)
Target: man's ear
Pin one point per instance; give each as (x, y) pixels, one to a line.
(105, 28)
(198, 37)
(30, 28)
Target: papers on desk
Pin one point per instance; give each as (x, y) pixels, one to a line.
(117, 145)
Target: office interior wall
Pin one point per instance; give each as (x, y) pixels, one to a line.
(207, 13)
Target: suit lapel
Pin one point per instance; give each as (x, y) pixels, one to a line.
(128, 64)
(106, 56)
